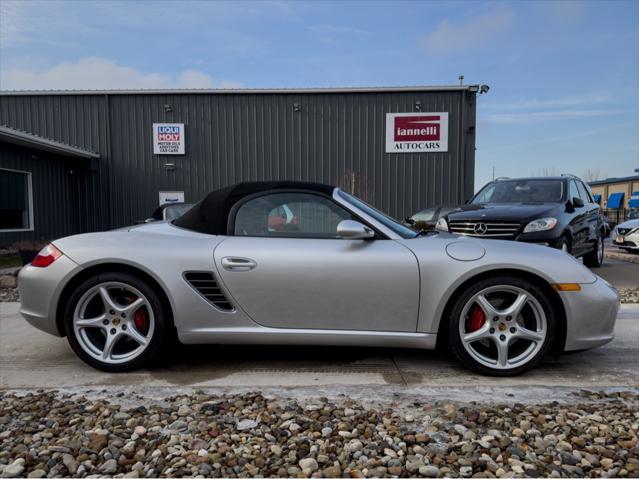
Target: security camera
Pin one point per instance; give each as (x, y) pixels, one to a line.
(483, 89)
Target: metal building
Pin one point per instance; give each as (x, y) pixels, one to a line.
(78, 161)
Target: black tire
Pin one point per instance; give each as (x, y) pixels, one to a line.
(463, 297)
(594, 259)
(162, 323)
(563, 243)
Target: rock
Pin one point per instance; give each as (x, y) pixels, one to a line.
(13, 470)
(70, 463)
(308, 465)
(326, 431)
(140, 430)
(184, 411)
(37, 473)
(8, 281)
(245, 424)
(429, 471)
(332, 471)
(109, 467)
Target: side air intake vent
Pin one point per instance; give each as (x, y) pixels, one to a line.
(205, 283)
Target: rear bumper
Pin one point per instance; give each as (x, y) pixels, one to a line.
(590, 315)
(40, 290)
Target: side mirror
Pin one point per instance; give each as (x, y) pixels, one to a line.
(577, 202)
(349, 229)
(409, 221)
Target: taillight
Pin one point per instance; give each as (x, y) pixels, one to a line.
(46, 256)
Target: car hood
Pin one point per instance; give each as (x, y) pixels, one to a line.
(629, 224)
(503, 211)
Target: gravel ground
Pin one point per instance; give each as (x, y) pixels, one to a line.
(9, 295)
(629, 295)
(244, 435)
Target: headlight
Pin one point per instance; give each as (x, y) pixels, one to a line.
(442, 225)
(542, 224)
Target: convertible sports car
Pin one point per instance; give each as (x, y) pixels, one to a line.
(342, 273)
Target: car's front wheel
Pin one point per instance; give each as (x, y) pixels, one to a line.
(501, 326)
(115, 322)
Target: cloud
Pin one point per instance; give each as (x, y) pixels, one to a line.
(550, 103)
(330, 33)
(548, 115)
(450, 37)
(99, 73)
(558, 139)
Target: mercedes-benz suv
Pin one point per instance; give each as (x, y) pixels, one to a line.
(554, 211)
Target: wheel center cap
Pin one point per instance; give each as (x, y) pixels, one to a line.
(116, 321)
(502, 327)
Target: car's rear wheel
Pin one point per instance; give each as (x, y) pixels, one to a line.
(115, 322)
(501, 326)
(595, 258)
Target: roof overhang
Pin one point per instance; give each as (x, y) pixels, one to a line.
(22, 138)
(223, 91)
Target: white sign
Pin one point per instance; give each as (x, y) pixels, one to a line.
(168, 138)
(416, 132)
(171, 197)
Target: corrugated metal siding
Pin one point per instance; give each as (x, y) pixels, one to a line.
(54, 204)
(335, 138)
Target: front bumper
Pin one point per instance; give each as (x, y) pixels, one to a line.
(40, 290)
(590, 315)
(630, 241)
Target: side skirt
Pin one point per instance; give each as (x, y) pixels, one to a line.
(315, 337)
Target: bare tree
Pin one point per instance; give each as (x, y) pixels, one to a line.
(353, 183)
(553, 171)
(591, 175)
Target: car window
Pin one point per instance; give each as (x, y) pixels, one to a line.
(574, 192)
(583, 193)
(297, 215)
(521, 191)
(425, 215)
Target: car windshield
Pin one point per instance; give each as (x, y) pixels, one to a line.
(521, 191)
(387, 221)
(173, 212)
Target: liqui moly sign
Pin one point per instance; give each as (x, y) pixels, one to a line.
(168, 138)
(416, 132)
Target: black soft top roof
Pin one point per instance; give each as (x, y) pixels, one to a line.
(210, 215)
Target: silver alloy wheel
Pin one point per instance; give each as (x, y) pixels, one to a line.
(108, 332)
(522, 323)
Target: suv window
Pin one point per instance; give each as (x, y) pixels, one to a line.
(574, 192)
(290, 215)
(583, 193)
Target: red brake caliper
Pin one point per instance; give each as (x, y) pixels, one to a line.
(140, 319)
(477, 319)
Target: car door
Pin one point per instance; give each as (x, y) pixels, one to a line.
(305, 277)
(578, 224)
(592, 215)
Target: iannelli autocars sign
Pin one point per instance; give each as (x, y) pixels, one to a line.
(416, 132)
(168, 138)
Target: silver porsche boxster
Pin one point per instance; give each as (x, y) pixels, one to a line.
(302, 263)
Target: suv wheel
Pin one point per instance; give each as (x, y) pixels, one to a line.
(563, 244)
(501, 326)
(595, 258)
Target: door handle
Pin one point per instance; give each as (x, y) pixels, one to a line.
(231, 263)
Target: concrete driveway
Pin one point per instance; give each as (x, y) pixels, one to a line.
(32, 359)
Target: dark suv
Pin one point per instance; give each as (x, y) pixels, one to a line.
(554, 211)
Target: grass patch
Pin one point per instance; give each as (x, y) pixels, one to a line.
(10, 261)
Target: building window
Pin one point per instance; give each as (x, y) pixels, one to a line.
(16, 201)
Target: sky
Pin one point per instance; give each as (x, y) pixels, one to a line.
(563, 75)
